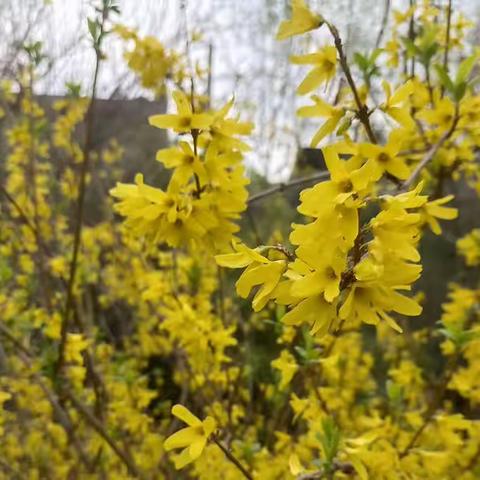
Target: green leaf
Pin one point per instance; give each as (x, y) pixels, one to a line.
(92, 28)
(330, 439)
(375, 54)
(428, 52)
(344, 126)
(459, 91)
(362, 62)
(410, 46)
(465, 69)
(444, 78)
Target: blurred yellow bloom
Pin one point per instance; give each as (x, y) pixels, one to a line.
(303, 20)
(434, 209)
(469, 247)
(185, 120)
(396, 103)
(287, 366)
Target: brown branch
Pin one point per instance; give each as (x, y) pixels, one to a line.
(431, 152)
(87, 149)
(232, 458)
(362, 109)
(280, 187)
(19, 210)
(381, 32)
(447, 41)
(411, 37)
(447, 35)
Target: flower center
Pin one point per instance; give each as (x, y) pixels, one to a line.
(346, 186)
(383, 157)
(185, 122)
(330, 272)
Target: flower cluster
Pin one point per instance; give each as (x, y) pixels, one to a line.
(207, 188)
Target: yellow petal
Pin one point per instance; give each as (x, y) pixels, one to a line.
(182, 459)
(185, 415)
(182, 438)
(165, 121)
(196, 448)
(404, 305)
(184, 107)
(313, 79)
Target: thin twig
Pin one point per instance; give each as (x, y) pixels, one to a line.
(431, 153)
(280, 187)
(362, 109)
(381, 32)
(231, 457)
(87, 149)
(19, 210)
(411, 36)
(447, 35)
(447, 41)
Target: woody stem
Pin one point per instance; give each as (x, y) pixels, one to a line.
(232, 458)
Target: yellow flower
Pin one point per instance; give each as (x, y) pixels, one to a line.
(242, 257)
(288, 367)
(303, 20)
(266, 275)
(223, 130)
(469, 247)
(260, 271)
(4, 396)
(433, 210)
(76, 344)
(322, 109)
(442, 114)
(183, 160)
(324, 62)
(386, 158)
(325, 274)
(396, 105)
(350, 180)
(315, 311)
(185, 120)
(194, 437)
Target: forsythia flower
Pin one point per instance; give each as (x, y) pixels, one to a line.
(435, 209)
(322, 109)
(206, 191)
(469, 247)
(287, 366)
(396, 105)
(324, 62)
(75, 345)
(192, 438)
(387, 158)
(260, 271)
(185, 120)
(303, 20)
